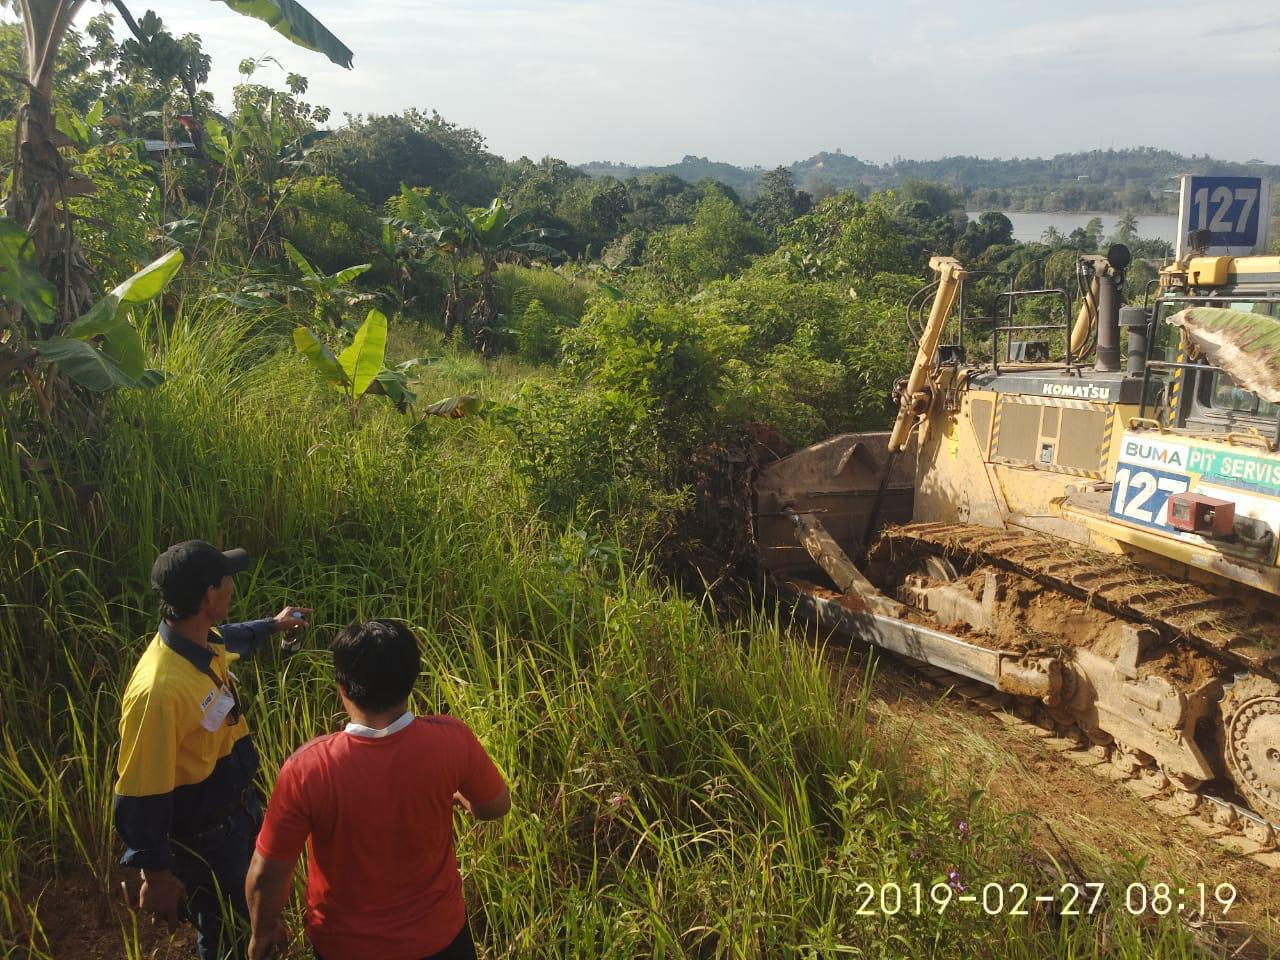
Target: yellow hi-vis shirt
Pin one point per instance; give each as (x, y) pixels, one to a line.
(186, 759)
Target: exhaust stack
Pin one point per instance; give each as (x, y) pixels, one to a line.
(1135, 320)
(1110, 277)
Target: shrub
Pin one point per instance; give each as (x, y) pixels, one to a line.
(720, 242)
(848, 238)
(595, 452)
(330, 226)
(802, 355)
(652, 354)
(563, 297)
(112, 222)
(537, 333)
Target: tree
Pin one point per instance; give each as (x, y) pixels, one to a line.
(720, 241)
(1093, 231)
(851, 239)
(374, 155)
(76, 84)
(1127, 228)
(491, 234)
(778, 202)
(40, 181)
(991, 229)
(941, 199)
(167, 58)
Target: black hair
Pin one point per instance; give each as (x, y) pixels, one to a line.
(376, 663)
(176, 609)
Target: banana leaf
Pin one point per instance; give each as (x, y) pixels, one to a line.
(320, 357)
(1245, 345)
(20, 277)
(347, 274)
(85, 364)
(454, 407)
(147, 284)
(362, 361)
(295, 22)
(302, 263)
(391, 384)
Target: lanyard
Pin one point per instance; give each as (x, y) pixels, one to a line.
(233, 716)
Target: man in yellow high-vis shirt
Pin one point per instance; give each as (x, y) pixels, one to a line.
(185, 805)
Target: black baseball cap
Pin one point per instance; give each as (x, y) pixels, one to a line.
(186, 570)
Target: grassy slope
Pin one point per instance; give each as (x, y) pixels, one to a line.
(682, 788)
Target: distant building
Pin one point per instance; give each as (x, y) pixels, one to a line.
(168, 146)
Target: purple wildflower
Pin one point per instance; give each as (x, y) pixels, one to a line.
(962, 830)
(953, 880)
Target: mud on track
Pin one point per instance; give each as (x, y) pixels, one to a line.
(1074, 809)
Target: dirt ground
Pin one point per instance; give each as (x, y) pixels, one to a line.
(84, 923)
(1074, 808)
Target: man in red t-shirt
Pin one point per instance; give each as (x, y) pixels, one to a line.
(376, 801)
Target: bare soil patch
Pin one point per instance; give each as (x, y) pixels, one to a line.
(79, 922)
(1072, 810)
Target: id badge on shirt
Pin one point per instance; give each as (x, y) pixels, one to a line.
(215, 711)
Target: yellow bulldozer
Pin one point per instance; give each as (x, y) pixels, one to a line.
(1089, 533)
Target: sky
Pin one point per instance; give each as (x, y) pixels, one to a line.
(763, 82)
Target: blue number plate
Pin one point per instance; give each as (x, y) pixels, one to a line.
(1140, 495)
(1228, 207)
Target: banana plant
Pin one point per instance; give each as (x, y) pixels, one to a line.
(491, 234)
(407, 248)
(330, 292)
(361, 370)
(447, 232)
(39, 180)
(102, 349)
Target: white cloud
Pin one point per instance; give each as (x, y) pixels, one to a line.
(768, 81)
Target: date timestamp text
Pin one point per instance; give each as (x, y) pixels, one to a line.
(1070, 899)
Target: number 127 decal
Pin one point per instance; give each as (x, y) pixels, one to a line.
(1139, 494)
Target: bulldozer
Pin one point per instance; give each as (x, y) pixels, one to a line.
(1092, 535)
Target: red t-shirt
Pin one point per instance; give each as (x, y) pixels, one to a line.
(383, 880)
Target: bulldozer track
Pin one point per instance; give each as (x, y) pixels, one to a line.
(1214, 816)
(1185, 612)
(1217, 818)
(1244, 644)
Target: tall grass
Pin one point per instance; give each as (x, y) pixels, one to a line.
(564, 297)
(683, 787)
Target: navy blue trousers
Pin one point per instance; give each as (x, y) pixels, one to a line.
(212, 867)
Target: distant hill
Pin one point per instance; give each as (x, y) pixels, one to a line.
(692, 169)
(1134, 179)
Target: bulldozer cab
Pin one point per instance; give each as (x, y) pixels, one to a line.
(1182, 389)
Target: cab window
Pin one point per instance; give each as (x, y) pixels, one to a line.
(1219, 391)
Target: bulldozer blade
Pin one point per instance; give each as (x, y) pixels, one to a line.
(833, 612)
(836, 481)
